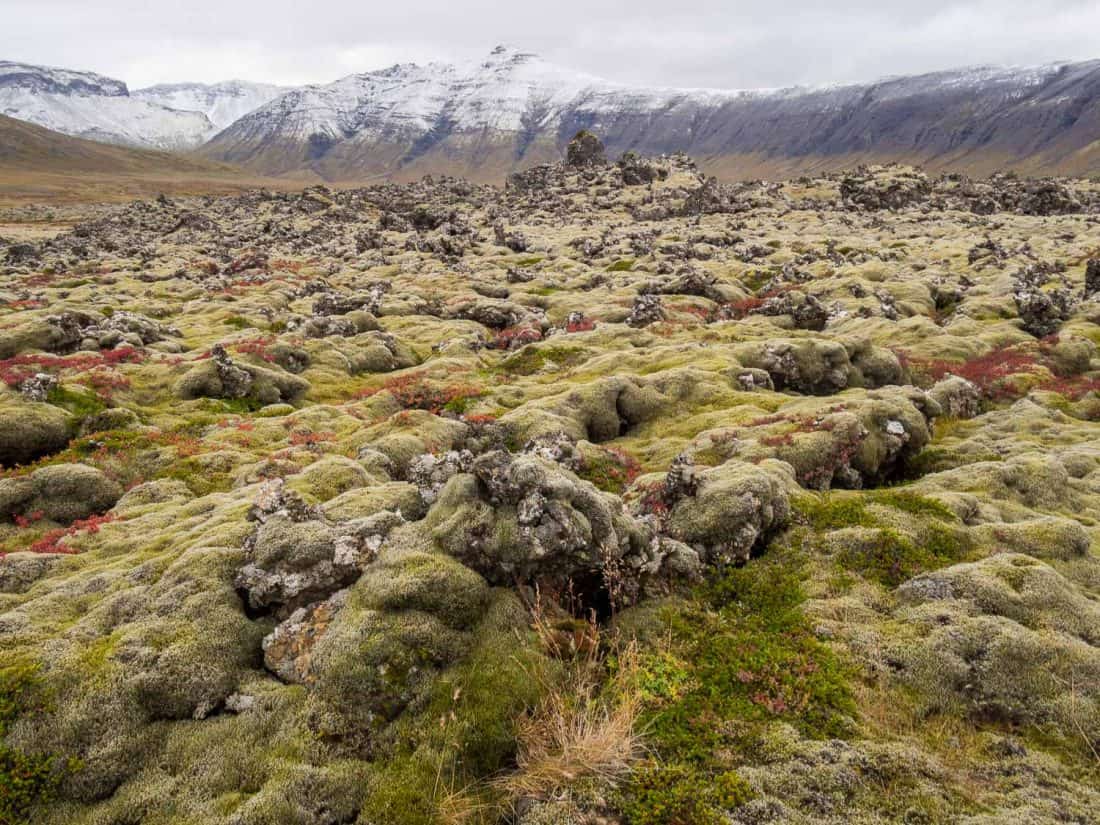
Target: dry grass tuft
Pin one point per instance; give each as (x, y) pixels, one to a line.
(586, 725)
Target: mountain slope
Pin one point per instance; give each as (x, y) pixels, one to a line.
(29, 148)
(87, 105)
(514, 109)
(222, 103)
(38, 164)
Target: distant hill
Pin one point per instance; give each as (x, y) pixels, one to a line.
(37, 163)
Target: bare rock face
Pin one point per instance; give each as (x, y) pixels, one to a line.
(296, 557)
(648, 309)
(288, 649)
(890, 187)
(38, 387)
(520, 518)
(585, 150)
(957, 397)
(1092, 278)
(1043, 313)
(638, 171)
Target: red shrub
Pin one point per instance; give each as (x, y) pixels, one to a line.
(105, 381)
(482, 418)
(256, 346)
(13, 371)
(782, 440)
(307, 438)
(28, 519)
(51, 542)
(702, 313)
(1072, 388)
(515, 337)
(414, 393)
(988, 372)
(31, 303)
(581, 324)
(736, 310)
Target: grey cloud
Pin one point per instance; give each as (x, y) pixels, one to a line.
(740, 44)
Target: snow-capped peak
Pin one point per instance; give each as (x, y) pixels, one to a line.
(51, 80)
(89, 105)
(222, 102)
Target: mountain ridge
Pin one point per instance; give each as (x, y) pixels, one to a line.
(88, 105)
(509, 110)
(514, 110)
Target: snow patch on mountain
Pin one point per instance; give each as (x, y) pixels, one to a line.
(508, 91)
(88, 105)
(222, 103)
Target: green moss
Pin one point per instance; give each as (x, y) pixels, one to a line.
(80, 404)
(890, 558)
(624, 265)
(914, 504)
(531, 359)
(755, 279)
(834, 512)
(940, 459)
(237, 322)
(465, 730)
(747, 657)
(609, 471)
(240, 406)
(27, 781)
(523, 263)
(199, 478)
(680, 794)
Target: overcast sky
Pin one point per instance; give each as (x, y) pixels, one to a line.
(718, 43)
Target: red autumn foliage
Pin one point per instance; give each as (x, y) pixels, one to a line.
(308, 438)
(702, 313)
(105, 381)
(582, 324)
(28, 519)
(30, 303)
(481, 418)
(414, 393)
(260, 347)
(51, 542)
(654, 501)
(1074, 388)
(737, 310)
(515, 337)
(14, 371)
(988, 372)
(782, 440)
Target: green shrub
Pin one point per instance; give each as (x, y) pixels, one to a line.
(747, 657)
(26, 780)
(237, 322)
(680, 794)
(891, 558)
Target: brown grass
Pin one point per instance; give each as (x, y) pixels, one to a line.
(586, 727)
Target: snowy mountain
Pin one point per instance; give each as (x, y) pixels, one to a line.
(88, 105)
(514, 109)
(222, 103)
